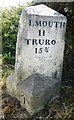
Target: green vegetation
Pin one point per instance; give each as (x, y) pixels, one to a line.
(64, 108)
(10, 21)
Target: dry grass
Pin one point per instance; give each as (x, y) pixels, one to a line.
(61, 109)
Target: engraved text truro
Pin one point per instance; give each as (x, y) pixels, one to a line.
(43, 42)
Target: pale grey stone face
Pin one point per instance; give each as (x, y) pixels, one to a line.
(40, 42)
(39, 57)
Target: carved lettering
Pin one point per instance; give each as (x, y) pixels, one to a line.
(50, 24)
(62, 25)
(44, 23)
(53, 42)
(40, 42)
(34, 42)
(47, 42)
(41, 32)
(47, 24)
(28, 41)
(38, 23)
(30, 23)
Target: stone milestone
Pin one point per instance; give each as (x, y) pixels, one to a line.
(39, 57)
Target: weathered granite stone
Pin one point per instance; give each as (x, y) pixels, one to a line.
(36, 91)
(39, 57)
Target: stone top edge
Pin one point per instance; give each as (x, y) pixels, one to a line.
(42, 10)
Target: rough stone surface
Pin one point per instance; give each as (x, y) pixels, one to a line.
(31, 56)
(39, 57)
(36, 90)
